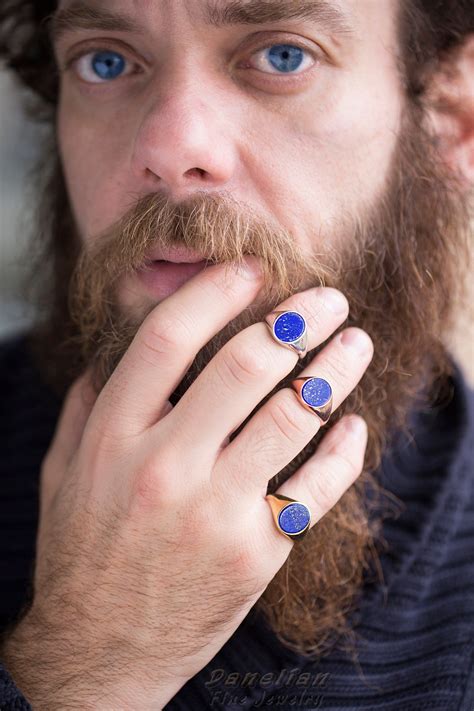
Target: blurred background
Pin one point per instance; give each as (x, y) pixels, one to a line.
(20, 142)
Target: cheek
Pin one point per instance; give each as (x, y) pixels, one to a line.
(360, 126)
(354, 142)
(329, 153)
(320, 164)
(91, 156)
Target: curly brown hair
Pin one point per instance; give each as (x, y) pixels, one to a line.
(428, 29)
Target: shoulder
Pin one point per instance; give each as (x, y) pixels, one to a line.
(445, 427)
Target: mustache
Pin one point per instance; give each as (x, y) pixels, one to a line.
(215, 225)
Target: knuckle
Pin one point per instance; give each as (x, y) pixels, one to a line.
(163, 335)
(106, 446)
(313, 305)
(154, 482)
(217, 286)
(289, 418)
(242, 363)
(332, 480)
(310, 303)
(344, 466)
(323, 490)
(338, 369)
(242, 562)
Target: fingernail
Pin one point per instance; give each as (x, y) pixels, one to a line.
(335, 300)
(357, 339)
(249, 268)
(356, 425)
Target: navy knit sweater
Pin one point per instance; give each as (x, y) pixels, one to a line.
(416, 630)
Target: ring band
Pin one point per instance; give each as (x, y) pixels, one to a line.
(315, 394)
(288, 328)
(292, 518)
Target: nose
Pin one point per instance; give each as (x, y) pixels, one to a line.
(182, 143)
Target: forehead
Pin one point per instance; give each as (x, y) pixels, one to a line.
(338, 16)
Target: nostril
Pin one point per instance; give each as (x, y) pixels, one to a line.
(200, 172)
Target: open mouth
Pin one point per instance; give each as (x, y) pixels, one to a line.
(162, 277)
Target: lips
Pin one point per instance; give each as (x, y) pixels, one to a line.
(168, 269)
(177, 254)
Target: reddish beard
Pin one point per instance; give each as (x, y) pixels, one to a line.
(399, 263)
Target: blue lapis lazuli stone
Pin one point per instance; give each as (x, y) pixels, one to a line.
(316, 392)
(294, 518)
(289, 327)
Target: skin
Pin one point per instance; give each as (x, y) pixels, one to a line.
(124, 467)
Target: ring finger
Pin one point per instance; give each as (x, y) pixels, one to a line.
(283, 426)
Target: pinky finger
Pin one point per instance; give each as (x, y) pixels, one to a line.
(322, 480)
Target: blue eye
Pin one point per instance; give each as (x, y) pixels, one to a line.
(99, 67)
(108, 65)
(284, 58)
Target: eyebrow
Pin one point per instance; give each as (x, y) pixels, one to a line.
(256, 12)
(81, 16)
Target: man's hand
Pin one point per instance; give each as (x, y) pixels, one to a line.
(155, 538)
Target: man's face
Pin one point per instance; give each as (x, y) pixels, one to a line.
(296, 118)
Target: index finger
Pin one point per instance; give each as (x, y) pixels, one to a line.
(167, 342)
